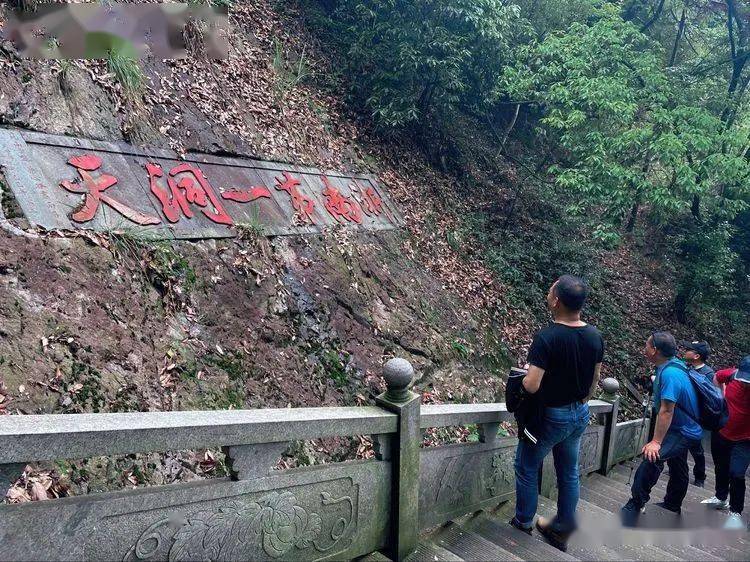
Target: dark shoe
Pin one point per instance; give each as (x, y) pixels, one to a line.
(517, 524)
(700, 483)
(555, 538)
(630, 512)
(675, 510)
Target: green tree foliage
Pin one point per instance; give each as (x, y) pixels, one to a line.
(628, 136)
(416, 59)
(635, 111)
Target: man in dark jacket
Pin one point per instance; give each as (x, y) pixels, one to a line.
(696, 354)
(564, 364)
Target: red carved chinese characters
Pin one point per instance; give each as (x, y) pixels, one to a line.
(368, 199)
(338, 206)
(93, 192)
(245, 195)
(301, 203)
(187, 186)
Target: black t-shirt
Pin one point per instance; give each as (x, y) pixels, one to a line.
(568, 356)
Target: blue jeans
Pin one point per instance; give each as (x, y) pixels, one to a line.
(561, 434)
(673, 451)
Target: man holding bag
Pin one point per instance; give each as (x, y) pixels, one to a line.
(564, 364)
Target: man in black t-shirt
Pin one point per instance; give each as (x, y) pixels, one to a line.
(565, 360)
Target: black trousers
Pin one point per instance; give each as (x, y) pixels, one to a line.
(699, 468)
(731, 459)
(674, 450)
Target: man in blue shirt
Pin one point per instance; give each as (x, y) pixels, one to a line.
(676, 431)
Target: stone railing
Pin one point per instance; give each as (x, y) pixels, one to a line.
(333, 511)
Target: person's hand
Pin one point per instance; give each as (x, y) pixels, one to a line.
(651, 451)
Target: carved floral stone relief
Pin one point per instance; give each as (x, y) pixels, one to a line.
(275, 526)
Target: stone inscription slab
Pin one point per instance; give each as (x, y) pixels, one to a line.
(70, 183)
(337, 512)
(458, 479)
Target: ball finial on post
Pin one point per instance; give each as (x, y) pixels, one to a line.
(398, 374)
(611, 387)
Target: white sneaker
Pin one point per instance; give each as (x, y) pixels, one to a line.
(734, 522)
(716, 503)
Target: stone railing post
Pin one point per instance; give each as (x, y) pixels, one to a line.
(610, 388)
(403, 452)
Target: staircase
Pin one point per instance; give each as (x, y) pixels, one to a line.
(660, 535)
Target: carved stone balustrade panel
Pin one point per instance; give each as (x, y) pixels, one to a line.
(338, 511)
(458, 479)
(629, 439)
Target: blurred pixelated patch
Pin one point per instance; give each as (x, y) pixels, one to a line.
(95, 31)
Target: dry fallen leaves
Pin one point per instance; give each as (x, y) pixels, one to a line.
(37, 484)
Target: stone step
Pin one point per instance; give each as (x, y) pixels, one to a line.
(618, 490)
(374, 557)
(693, 512)
(618, 472)
(469, 545)
(511, 539)
(687, 552)
(726, 552)
(692, 503)
(600, 499)
(576, 547)
(627, 552)
(430, 552)
(624, 551)
(621, 491)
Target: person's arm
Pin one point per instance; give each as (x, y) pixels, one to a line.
(595, 382)
(663, 421)
(533, 379)
(721, 385)
(538, 363)
(722, 377)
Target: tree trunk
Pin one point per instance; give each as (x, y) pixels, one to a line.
(680, 31)
(695, 208)
(680, 306)
(739, 51)
(654, 17)
(509, 128)
(633, 216)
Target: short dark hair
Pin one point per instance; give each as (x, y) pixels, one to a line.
(664, 343)
(572, 292)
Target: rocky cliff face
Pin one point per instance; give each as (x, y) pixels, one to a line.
(116, 322)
